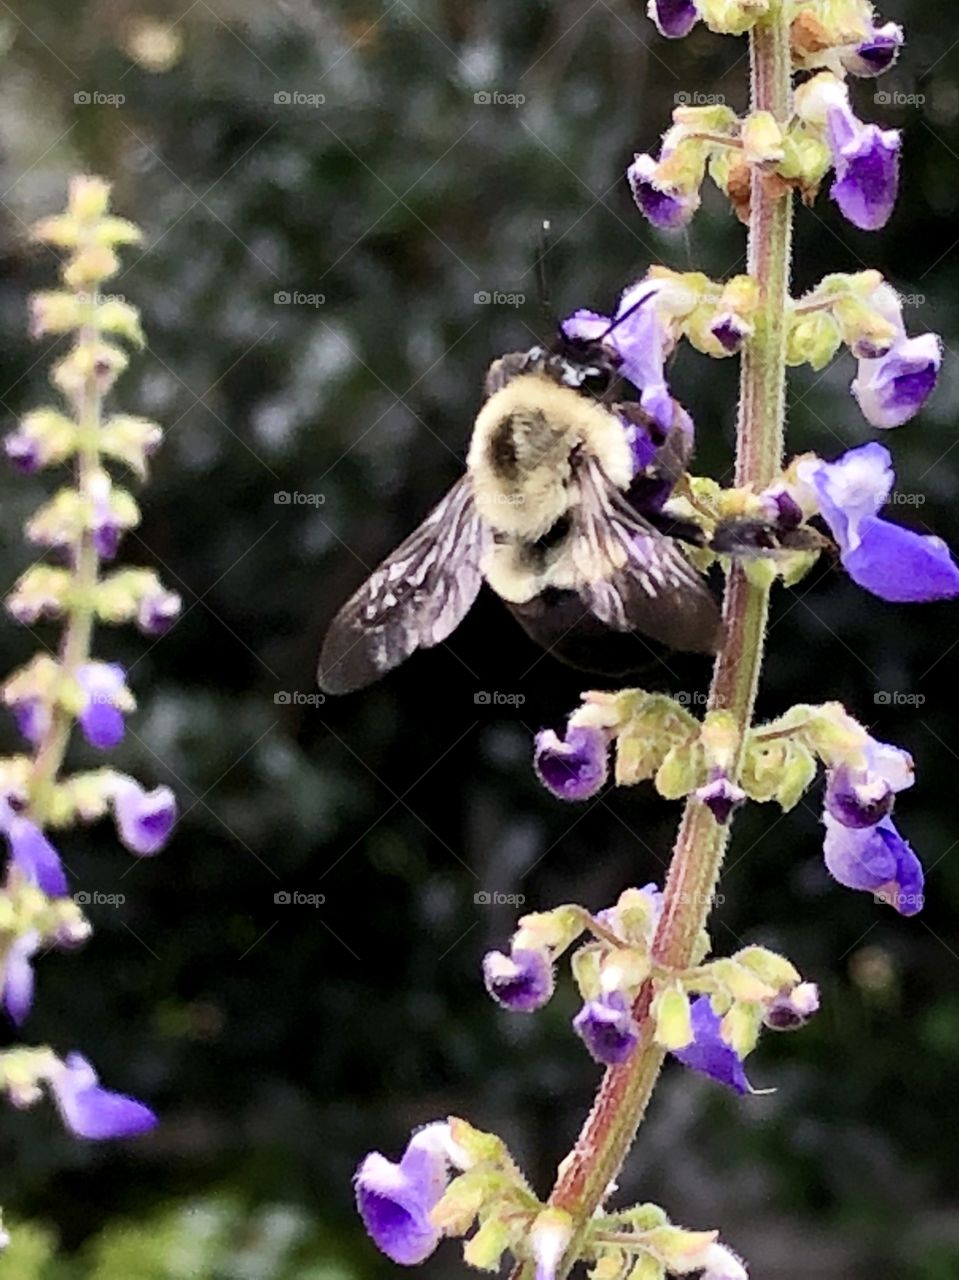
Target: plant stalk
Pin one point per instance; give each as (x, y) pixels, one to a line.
(610, 1129)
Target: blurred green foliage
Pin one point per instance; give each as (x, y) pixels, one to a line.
(281, 1042)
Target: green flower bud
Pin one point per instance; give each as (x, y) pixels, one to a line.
(682, 771)
(813, 339)
(485, 1249)
(129, 440)
(772, 969)
(797, 776)
(762, 139)
(670, 1011)
(732, 17)
(740, 1027)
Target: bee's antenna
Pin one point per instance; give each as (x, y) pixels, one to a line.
(641, 302)
(542, 280)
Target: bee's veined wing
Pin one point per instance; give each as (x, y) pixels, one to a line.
(413, 600)
(633, 578)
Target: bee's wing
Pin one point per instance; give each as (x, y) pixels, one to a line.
(632, 578)
(413, 600)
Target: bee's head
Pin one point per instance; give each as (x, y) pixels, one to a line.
(585, 364)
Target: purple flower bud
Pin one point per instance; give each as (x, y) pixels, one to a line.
(664, 207)
(791, 1010)
(90, 1111)
(721, 797)
(876, 860)
(892, 562)
(144, 819)
(394, 1200)
(866, 160)
(23, 452)
(709, 1053)
(673, 18)
(33, 718)
(18, 976)
(607, 1028)
(574, 768)
(157, 611)
(894, 387)
(877, 53)
(521, 982)
(857, 804)
(101, 719)
(31, 852)
(730, 331)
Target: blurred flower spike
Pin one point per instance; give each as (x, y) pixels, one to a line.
(81, 525)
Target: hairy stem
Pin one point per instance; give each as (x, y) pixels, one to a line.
(623, 1096)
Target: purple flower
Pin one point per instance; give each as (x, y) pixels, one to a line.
(521, 982)
(709, 1053)
(144, 818)
(862, 797)
(607, 1028)
(573, 768)
(673, 18)
(33, 717)
(104, 688)
(24, 452)
(394, 1200)
(90, 1111)
(791, 1010)
(17, 972)
(876, 860)
(893, 387)
(665, 207)
(730, 331)
(893, 563)
(877, 53)
(158, 609)
(642, 340)
(866, 160)
(721, 797)
(31, 852)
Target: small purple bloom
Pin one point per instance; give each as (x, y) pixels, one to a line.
(18, 976)
(106, 538)
(157, 611)
(892, 562)
(667, 208)
(90, 1111)
(791, 1010)
(573, 768)
(31, 852)
(709, 1053)
(866, 160)
(33, 718)
(673, 18)
(876, 860)
(642, 341)
(101, 719)
(730, 331)
(394, 1200)
(862, 797)
(893, 388)
(721, 797)
(144, 819)
(23, 452)
(607, 1028)
(521, 982)
(877, 53)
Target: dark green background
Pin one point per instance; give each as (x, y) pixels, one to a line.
(281, 1042)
